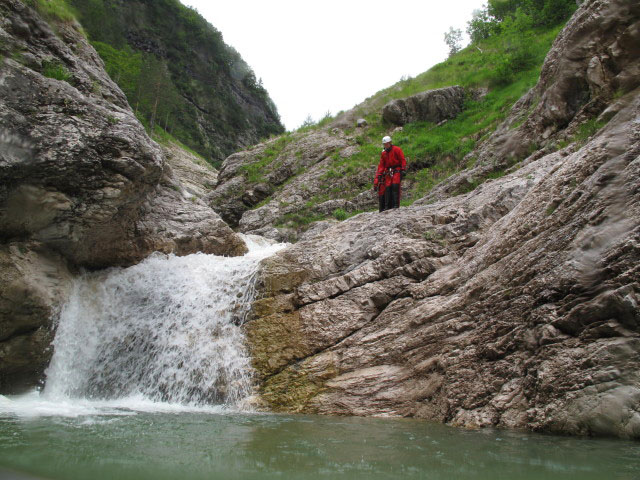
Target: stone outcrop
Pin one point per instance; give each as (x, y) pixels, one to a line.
(515, 305)
(432, 106)
(81, 184)
(196, 176)
(290, 178)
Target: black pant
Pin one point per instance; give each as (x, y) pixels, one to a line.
(392, 196)
(390, 199)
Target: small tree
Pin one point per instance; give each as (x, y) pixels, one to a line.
(481, 26)
(453, 39)
(308, 122)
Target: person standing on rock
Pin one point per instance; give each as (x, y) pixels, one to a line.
(389, 175)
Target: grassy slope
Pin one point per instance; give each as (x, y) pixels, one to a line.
(505, 65)
(436, 152)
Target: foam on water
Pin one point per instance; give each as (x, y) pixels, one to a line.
(37, 404)
(164, 335)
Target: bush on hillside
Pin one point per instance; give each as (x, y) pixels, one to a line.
(519, 57)
(503, 16)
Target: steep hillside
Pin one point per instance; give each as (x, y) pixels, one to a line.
(325, 172)
(179, 75)
(512, 302)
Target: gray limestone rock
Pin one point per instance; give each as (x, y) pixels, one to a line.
(431, 106)
(514, 305)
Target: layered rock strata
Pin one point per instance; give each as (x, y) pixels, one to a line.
(515, 305)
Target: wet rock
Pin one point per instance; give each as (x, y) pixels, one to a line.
(81, 185)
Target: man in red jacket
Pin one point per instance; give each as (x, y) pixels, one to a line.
(389, 175)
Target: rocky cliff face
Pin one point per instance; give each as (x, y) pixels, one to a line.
(81, 184)
(259, 190)
(515, 305)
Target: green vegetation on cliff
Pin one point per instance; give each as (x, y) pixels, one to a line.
(179, 75)
(510, 41)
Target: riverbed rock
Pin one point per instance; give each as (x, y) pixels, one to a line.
(514, 305)
(432, 106)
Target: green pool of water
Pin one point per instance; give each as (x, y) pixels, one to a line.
(124, 444)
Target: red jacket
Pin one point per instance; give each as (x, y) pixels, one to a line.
(392, 160)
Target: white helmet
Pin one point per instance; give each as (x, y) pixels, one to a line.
(386, 139)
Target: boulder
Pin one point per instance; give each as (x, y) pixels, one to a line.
(432, 106)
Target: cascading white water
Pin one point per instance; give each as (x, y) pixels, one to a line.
(165, 330)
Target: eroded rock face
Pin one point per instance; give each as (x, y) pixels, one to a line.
(431, 106)
(197, 177)
(515, 305)
(292, 171)
(33, 281)
(81, 184)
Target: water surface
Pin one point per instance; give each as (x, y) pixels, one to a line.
(172, 442)
(150, 379)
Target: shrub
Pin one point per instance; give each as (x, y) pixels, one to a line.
(54, 9)
(340, 214)
(519, 59)
(54, 69)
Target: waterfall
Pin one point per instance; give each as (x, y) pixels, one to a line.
(167, 330)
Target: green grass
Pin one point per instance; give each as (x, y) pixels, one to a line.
(55, 69)
(255, 171)
(58, 10)
(476, 65)
(508, 65)
(433, 153)
(340, 214)
(588, 129)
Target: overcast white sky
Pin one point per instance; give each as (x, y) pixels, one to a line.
(315, 57)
